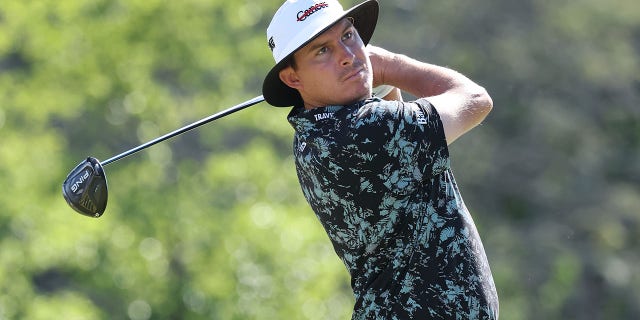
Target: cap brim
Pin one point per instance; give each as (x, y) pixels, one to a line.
(278, 94)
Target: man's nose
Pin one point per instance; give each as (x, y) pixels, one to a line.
(346, 55)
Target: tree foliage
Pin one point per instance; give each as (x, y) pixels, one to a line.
(212, 224)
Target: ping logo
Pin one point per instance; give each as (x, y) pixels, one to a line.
(303, 15)
(272, 44)
(82, 178)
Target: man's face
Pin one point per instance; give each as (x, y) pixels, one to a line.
(333, 69)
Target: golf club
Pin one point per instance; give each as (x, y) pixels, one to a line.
(85, 187)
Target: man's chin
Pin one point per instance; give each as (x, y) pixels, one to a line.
(366, 93)
(358, 98)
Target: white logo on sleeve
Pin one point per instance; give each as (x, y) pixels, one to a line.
(302, 146)
(421, 118)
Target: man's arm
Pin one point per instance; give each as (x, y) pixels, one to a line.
(461, 103)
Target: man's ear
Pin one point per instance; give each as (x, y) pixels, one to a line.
(290, 77)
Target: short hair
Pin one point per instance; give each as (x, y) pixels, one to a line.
(290, 61)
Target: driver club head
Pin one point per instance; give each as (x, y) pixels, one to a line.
(85, 188)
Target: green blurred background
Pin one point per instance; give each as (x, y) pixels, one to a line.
(213, 225)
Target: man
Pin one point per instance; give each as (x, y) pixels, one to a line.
(376, 172)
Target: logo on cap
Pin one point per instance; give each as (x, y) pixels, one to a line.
(303, 15)
(272, 44)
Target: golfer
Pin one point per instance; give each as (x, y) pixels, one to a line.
(375, 169)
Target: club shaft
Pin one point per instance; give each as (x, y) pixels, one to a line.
(186, 128)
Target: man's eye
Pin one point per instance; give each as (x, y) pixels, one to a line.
(322, 50)
(347, 35)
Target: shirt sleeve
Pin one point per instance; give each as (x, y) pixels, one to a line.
(410, 140)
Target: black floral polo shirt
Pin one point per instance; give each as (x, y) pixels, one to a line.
(377, 175)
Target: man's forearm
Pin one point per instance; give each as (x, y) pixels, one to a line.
(461, 103)
(417, 78)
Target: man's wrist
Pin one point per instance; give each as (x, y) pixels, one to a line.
(381, 60)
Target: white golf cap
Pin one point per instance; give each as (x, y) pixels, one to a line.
(297, 23)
